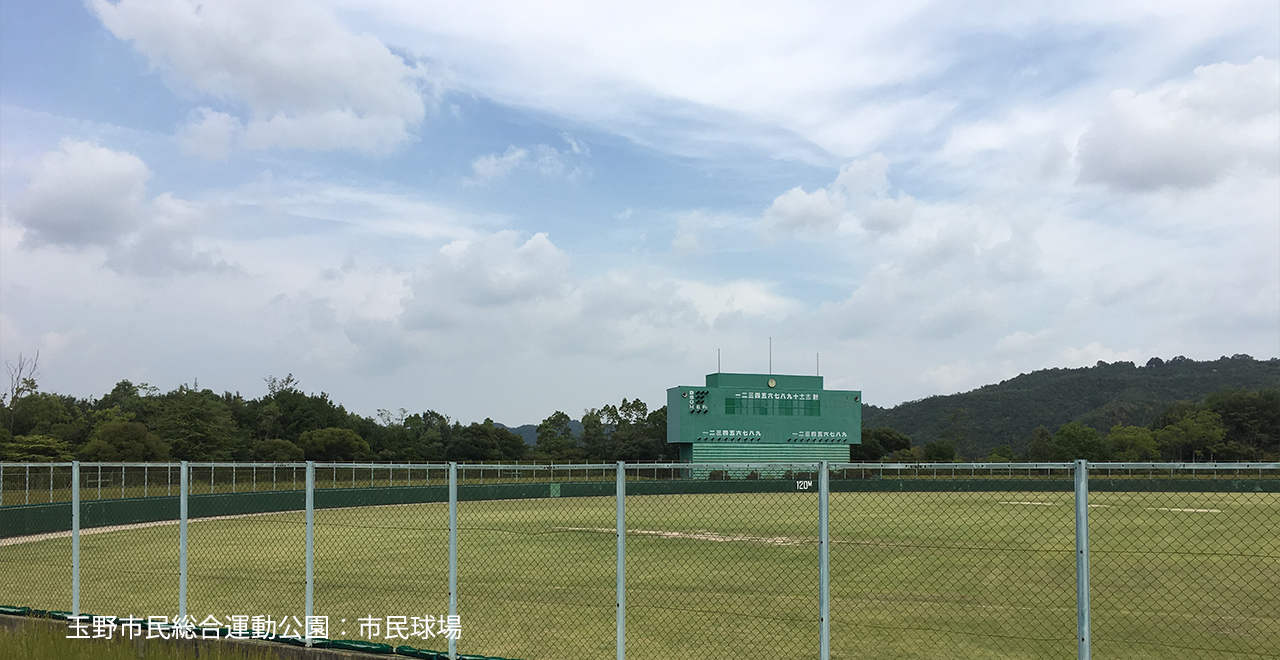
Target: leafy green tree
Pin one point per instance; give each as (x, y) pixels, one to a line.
(267, 424)
(1250, 419)
(333, 444)
(510, 444)
(595, 438)
(40, 413)
(1077, 441)
(428, 434)
(1174, 413)
(124, 441)
(276, 450)
(627, 432)
(22, 383)
(484, 442)
(1132, 443)
(296, 412)
(198, 426)
(879, 442)
(869, 450)
(1194, 435)
(1040, 447)
(891, 439)
(556, 441)
(939, 451)
(473, 443)
(1001, 454)
(638, 435)
(137, 403)
(35, 449)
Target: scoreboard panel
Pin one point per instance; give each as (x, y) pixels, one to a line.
(783, 417)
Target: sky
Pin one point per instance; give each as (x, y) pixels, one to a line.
(504, 209)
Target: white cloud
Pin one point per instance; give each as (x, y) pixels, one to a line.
(542, 158)
(305, 80)
(212, 136)
(575, 145)
(1021, 341)
(796, 210)
(82, 194)
(86, 196)
(1187, 133)
(738, 298)
(808, 80)
(501, 293)
(859, 197)
(950, 378)
(492, 166)
(497, 269)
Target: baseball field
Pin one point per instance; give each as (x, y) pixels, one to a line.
(913, 574)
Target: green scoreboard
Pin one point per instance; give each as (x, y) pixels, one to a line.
(742, 418)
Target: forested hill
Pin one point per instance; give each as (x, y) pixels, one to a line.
(1100, 396)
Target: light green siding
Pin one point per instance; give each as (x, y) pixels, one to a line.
(766, 453)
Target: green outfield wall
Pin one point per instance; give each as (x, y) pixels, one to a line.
(48, 518)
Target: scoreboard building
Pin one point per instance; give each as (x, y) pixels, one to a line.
(746, 418)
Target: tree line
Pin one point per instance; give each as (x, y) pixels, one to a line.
(138, 422)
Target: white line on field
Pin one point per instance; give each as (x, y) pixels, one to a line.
(1161, 508)
(1091, 506)
(15, 540)
(699, 535)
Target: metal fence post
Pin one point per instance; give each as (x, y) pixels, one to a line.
(75, 538)
(1082, 559)
(453, 552)
(621, 530)
(311, 548)
(183, 487)
(824, 566)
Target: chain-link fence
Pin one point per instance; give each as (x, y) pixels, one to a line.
(953, 563)
(1051, 560)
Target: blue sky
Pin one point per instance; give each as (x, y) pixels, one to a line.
(505, 209)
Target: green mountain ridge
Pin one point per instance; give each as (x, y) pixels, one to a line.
(1101, 396)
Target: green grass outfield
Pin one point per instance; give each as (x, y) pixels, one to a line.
(913, 575)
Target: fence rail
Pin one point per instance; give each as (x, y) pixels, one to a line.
(658, 560)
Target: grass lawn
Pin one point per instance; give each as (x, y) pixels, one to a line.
(913, 575)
